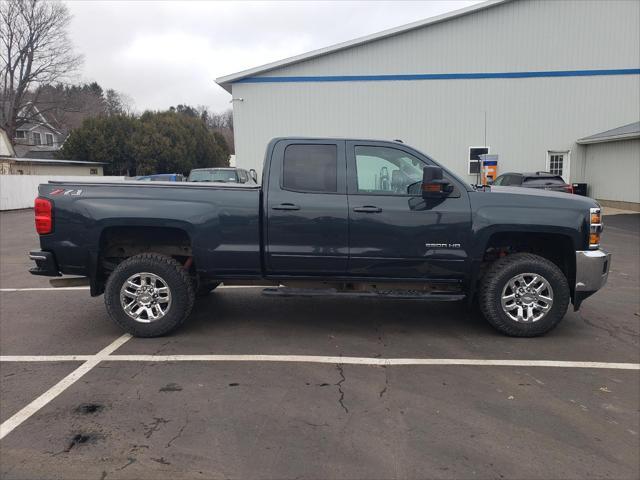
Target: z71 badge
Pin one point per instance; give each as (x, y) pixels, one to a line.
(64, 191)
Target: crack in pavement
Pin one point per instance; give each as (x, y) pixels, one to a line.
(151, 428)
(325, 424)
(131, 461)
(340, 368)
(179, 434)
(386, 382)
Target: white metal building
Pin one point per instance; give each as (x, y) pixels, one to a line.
(524, 78)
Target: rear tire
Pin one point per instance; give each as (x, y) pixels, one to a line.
(500, 302)
(153, 284)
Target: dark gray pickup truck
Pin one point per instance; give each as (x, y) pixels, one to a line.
(332, 217)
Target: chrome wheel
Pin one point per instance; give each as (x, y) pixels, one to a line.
(145, 297)
(527, 297)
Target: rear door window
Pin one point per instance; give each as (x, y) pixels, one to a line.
(310, 168)
(542, 181)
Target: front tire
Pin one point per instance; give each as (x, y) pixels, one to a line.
(149, 295)
(524, 295)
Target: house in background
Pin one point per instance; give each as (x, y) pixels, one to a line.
(39, 137)
(6, 148)
(11, 164)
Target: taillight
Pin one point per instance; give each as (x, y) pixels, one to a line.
(569, 188)
(44, 215)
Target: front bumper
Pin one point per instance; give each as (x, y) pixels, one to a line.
(592, 272)
(45, 264)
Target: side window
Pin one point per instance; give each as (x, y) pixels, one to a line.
(385, 170)
(310, 168)
(500, 180)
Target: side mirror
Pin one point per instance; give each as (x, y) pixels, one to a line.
(254, 175)
(433, 184)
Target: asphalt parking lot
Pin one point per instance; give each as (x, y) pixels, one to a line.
(215, 414)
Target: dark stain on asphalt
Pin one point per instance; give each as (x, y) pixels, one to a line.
(89, 408)
(171, 387)
(234, 384)
(80, 439)
(161, 460)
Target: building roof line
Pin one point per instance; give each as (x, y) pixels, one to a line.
(226, 81)
(50, 160)
(442, 76)
(625, 132)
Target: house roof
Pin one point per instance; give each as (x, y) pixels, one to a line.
(51, 161)
(46, 119)
(226, 81)
(626, 132)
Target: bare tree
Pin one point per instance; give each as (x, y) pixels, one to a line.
(35, 50)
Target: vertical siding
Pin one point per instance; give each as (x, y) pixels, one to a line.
(514, 36)
(612, 170)
(525, 117)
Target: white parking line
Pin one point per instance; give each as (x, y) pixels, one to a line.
(22, 415)
(331, 360)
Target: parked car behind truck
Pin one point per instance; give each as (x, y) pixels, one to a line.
(539, 180)
(333, 217)
(223, 175)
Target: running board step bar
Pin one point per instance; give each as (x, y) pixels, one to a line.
(435, 295)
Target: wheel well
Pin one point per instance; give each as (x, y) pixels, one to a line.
(557, 248)
(119, 243)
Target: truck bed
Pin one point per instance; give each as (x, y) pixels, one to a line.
(221, 220)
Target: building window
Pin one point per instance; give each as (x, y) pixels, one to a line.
(93, 171)
(311, 168)
(21, 134)
(36, 139)
(474, 158)
(558, 163)
(49, 138)
(20, 172)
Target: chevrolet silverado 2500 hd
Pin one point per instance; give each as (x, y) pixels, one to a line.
(332, 217)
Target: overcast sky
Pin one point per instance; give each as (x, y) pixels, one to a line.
(166, 53)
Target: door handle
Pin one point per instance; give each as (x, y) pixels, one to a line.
(367, 209)
(285, 206)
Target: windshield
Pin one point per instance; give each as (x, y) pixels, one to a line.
(213, 176)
